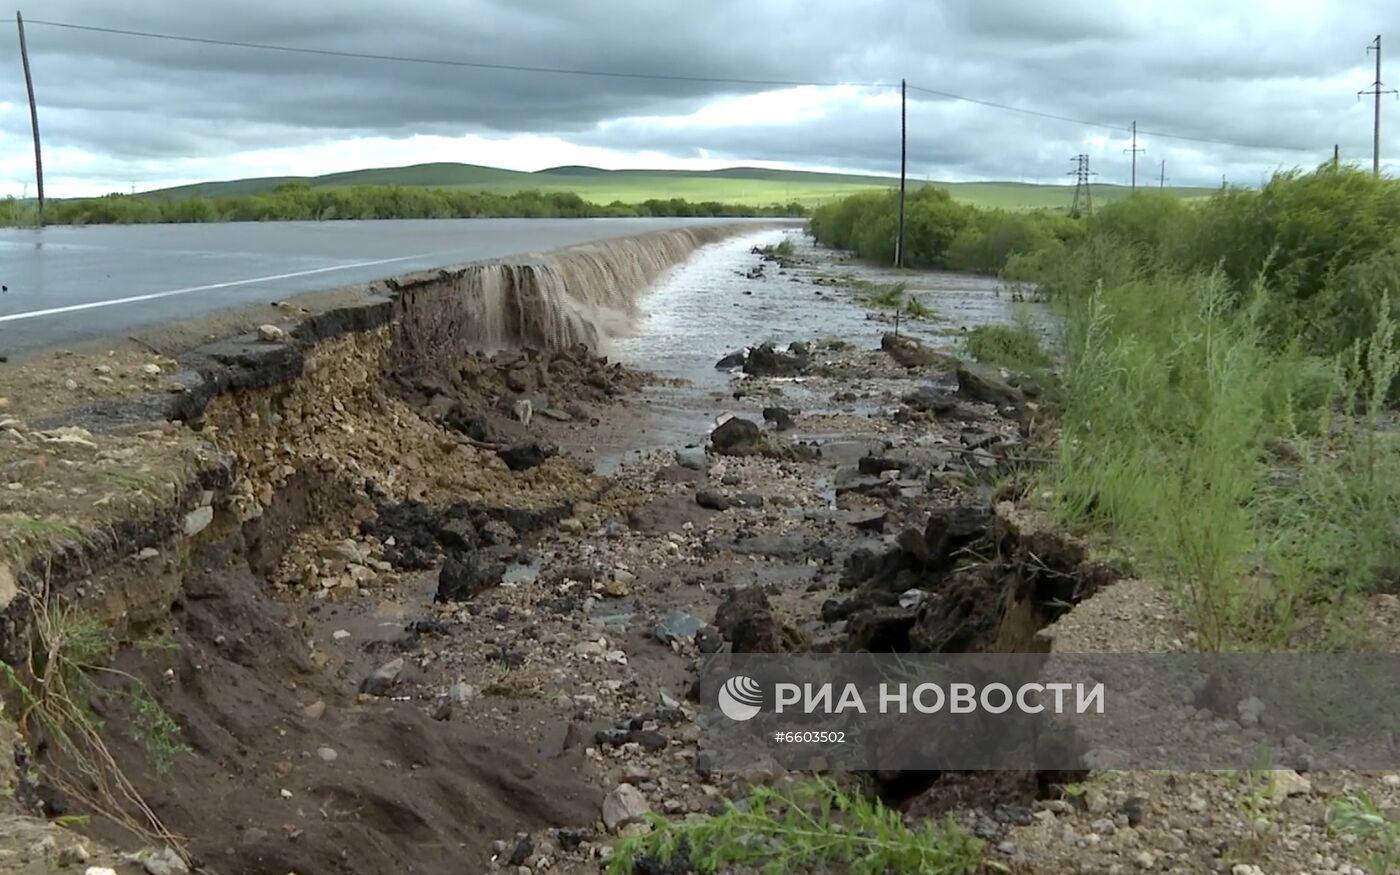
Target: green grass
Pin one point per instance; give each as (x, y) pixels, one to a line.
(797, 830)
(739, 185)
(1360, 819)
(1236, 471)
(1015, 346)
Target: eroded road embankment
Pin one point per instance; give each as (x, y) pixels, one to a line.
(364, 607)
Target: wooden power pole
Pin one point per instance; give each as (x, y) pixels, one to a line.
(33, 114)
(903, 167)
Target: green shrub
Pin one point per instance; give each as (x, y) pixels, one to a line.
(1015, 346)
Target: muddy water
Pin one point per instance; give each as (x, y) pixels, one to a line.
(709, 306)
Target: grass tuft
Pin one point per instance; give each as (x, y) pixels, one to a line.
(795, 830)
(1015, 346)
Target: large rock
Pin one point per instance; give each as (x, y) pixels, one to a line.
(984, 384)
(930, 399)
(625, 805)
(711, 499)
(781, 417)
(522, 457)
(733, 360)
(736, 435)
(766, 361)
(471, 423)
(383, 679)
(464, 576)
(912, 354)
(746, 619)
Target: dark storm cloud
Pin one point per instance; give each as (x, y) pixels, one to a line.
(1280, 74)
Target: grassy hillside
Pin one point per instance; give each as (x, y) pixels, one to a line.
(738, 185)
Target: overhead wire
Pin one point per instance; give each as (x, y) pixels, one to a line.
(636, 75)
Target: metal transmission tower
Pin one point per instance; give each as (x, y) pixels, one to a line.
(1377, 88)
(1134, 150)
(1083, 192)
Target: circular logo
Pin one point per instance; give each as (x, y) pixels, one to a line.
(740, 698)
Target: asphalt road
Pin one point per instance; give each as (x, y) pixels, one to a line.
(65, 284)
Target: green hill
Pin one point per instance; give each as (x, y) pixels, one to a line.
(744, 185)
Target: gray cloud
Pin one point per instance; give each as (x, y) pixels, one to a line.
(1280, 75)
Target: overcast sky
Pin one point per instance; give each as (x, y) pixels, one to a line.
(118, 112)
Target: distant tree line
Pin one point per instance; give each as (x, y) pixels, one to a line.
(299, 201)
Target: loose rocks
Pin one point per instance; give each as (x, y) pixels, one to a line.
(624, 805)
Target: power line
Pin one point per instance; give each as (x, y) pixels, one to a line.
(621, 74)
(446, 62)
(1092, 124)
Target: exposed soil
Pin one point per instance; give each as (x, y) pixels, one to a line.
(419, 633)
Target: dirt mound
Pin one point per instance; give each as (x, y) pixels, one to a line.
(490, 397)
(289, 771)
(969, 581)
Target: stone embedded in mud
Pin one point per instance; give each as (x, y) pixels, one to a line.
(871, 523)
(765, 361)
(910, 353)
(852, 480)
(464, 576)
(623, 806)
(522, 457)
(735, 435)
(458, 534)
(163, 862)
(930, 399)
(620, 584)
(781, 417)
(745, 617)
(383, 679)
(981, 383)
(471, 423)
(518, 380)
(198, 520)
(711, 499)
(678, 625)
(692, 459)
(733, 360)
(271, 334)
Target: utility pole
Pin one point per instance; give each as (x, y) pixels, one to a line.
(1377, 88)
(1162, 180)
(1083, 194)
(1336, 155)
(1135, 150)
(33, 114)
(903, 168)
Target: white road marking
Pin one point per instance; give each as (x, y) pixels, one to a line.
(151, 296)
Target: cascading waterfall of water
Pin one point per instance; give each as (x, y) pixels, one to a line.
(584, 294)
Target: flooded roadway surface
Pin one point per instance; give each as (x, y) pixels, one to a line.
(64, 284)
(710, 306)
